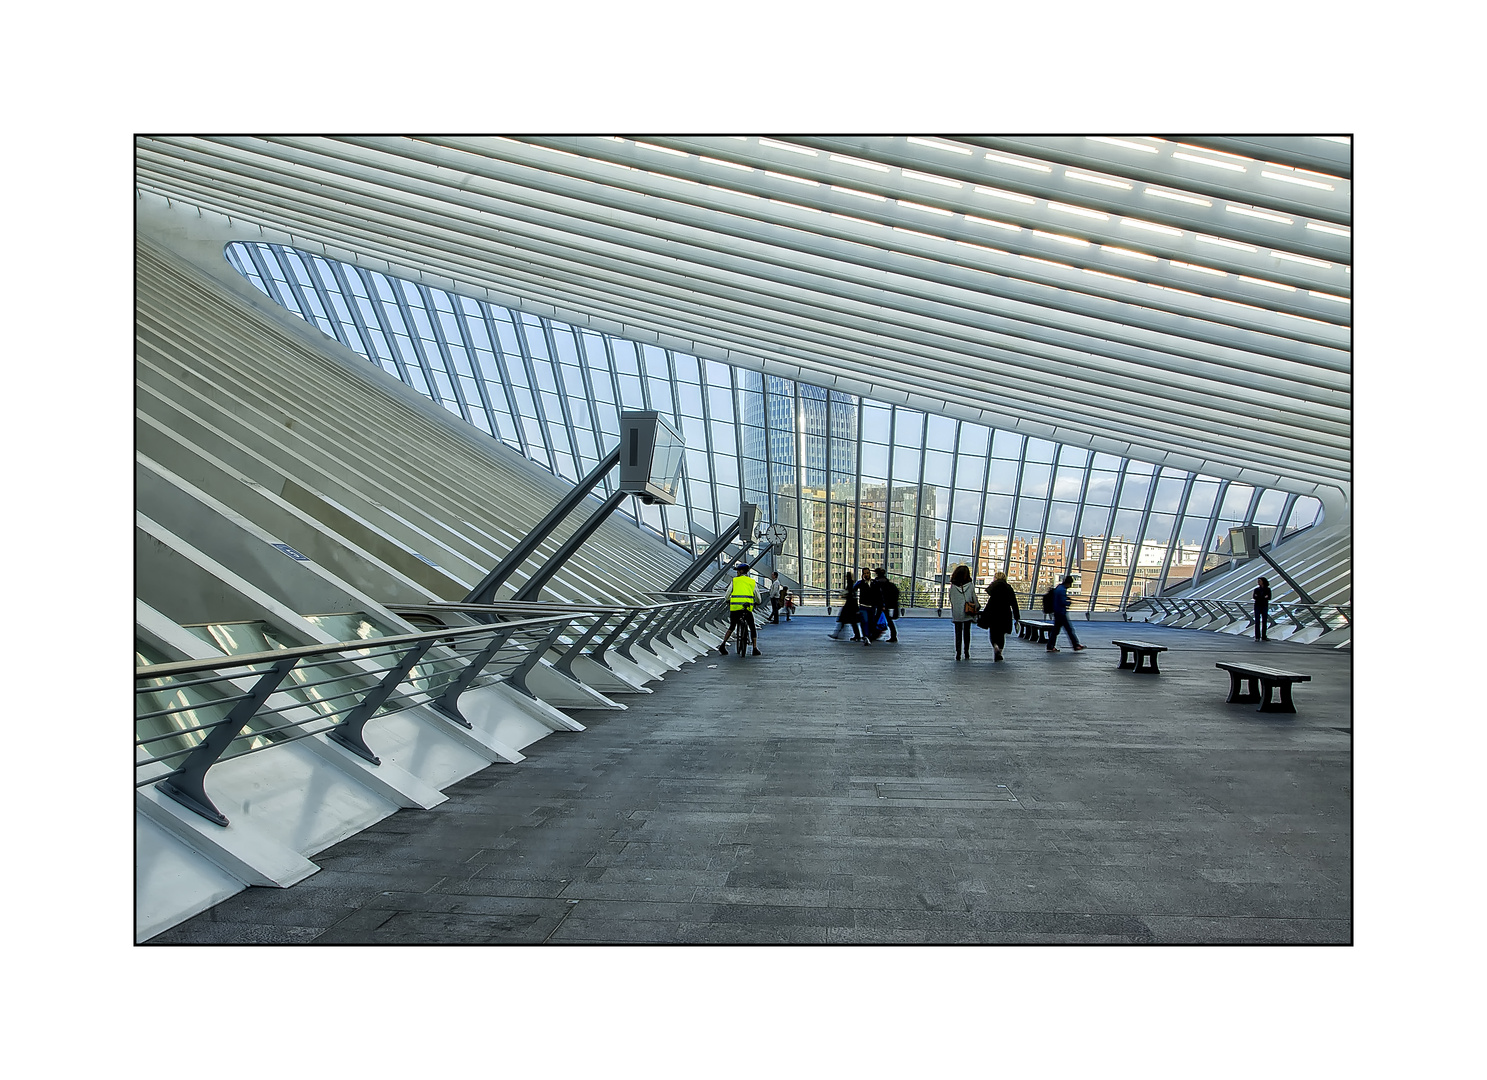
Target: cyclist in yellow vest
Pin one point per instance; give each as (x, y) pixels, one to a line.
(741, 612)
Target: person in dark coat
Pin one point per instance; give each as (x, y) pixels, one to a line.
(1262, 611)
(849, 614)
(1001, 611)
(1060, 598)
(888, 599)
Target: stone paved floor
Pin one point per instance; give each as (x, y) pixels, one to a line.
(828, 793)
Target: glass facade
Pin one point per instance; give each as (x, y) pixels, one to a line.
(856, 482)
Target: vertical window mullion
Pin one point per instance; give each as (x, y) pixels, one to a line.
(1213, 521)
(445, 357)
(1151, 498)
(1120, 484)
(499, 354)
(1182, 509)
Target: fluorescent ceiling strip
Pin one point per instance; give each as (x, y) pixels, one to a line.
(940, 145)
(1200, 269)
(1329, 296)
(860, 194)
(1210, 150)
(1301, 259)
(1176, 197)
(1258, 214)
(1224, 242)
(998, 193)
(727, 164)
(931, 179)
(993, 223)
(915, 232)
(786, 176)
(858, 220)
(1081, 211)
(928, 209)
(1267, 284)
(1345, 140)
(859, 163)
(982, 247)
(1122, 142)
(1137, 223)
(1075, 240)
(1209, 161)
(662, 149)
(807, 151)
(1298, 180)
(1128, 252)
(1046, 262)
(1035, 166)
(1112, 277)
(1329, 229)
(1097, 180)
(797, 206)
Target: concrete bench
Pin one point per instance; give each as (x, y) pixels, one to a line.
(1035, 630)
(1145, 656)
(1268, 679)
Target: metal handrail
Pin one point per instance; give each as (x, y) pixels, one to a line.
(1328, 616)
(259, 676)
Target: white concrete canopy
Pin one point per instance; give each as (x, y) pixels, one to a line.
(1182, 300)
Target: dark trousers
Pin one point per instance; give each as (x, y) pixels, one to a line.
(747, 631)
(1061, 618)
(998, 638)
(963, 637)
(1262, 619)
(774, 609)
(892, 626)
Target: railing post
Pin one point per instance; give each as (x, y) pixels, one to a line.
(598, 654)
(517, 677)
(565, 662)
(348, 731)
(635, 635)
(187, 784)
(448, 701)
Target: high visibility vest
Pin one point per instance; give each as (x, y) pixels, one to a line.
(742, 596)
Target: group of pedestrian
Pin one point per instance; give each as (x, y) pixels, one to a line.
(1000, 611)
(870, 606)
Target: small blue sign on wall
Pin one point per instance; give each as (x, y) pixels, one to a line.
(287, 550)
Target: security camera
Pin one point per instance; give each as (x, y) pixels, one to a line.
(648, 499)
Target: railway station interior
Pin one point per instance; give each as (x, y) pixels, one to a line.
(447, 451)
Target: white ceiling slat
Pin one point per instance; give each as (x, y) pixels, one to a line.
(793, 288)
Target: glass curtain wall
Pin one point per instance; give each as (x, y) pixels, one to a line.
(856, 483)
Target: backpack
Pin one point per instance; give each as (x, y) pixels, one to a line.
(1048, 602)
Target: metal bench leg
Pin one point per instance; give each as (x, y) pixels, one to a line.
(1125, 659)
(1284, 704)
(1252, 694)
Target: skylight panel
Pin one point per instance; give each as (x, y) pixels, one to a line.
(1061, 238)
(1102, 180)
(939, 145)
(806, 150)
(1177, 197)
(1301, 259)
(787, 176)
(1334, 230)
(859, 163)
(1000, 194)
(1129, 253)
(927, 178)
(1224, 242)
(1122, 142)
(928, 209)
(1247, 212)
(1298, 180)
(1137, 223)
(1230, 165)
(860, 194)
(1268, 284)
(1034, 165)
(662, 149)
(1080, 210)
(994, 223)
(726, 164)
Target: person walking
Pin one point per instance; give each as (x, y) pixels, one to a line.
(848, 615)
(741, 599)
(1262, 611)
(1059, 595)
(787, 604)
(887, 600)
(1001, 611)
(867, 605)
(776, 596)
(964, 607)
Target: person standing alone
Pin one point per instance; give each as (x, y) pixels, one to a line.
(1262, 611)
(776, 597)
(964, 607)
(1059, 594)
